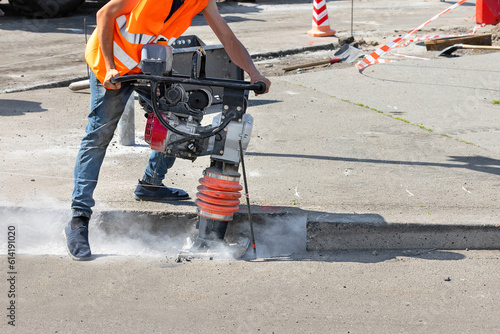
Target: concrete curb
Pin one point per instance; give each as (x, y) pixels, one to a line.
(55, 84)
(290, 52)
(334, 235)
(306, 231)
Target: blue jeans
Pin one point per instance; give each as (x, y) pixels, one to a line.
(106, 108)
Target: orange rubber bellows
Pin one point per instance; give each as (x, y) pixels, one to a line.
(218, 196)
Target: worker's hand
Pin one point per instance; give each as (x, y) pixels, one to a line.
(107, 80)
(262, 78)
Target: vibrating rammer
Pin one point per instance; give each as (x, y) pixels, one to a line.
(175, 112)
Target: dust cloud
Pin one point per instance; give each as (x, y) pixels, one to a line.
(39, 231)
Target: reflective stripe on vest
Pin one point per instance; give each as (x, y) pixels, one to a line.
(132, 38)
(123, 57)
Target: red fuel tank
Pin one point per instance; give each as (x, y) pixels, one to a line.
(155, 134)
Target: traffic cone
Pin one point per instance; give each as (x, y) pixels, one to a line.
(320, 23)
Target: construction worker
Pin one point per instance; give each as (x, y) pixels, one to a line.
(113, 50)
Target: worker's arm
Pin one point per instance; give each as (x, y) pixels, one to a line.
(236, 51)
(106, 17)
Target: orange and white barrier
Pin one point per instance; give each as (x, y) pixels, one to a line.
(374, 57)
(320, 23)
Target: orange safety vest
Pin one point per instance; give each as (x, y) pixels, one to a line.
(144, 25)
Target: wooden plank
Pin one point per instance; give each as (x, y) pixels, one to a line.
(439, 44)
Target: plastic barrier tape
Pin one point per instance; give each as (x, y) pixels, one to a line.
(373, 58)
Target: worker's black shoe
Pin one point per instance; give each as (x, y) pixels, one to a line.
(147, 192)
(77, 238)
